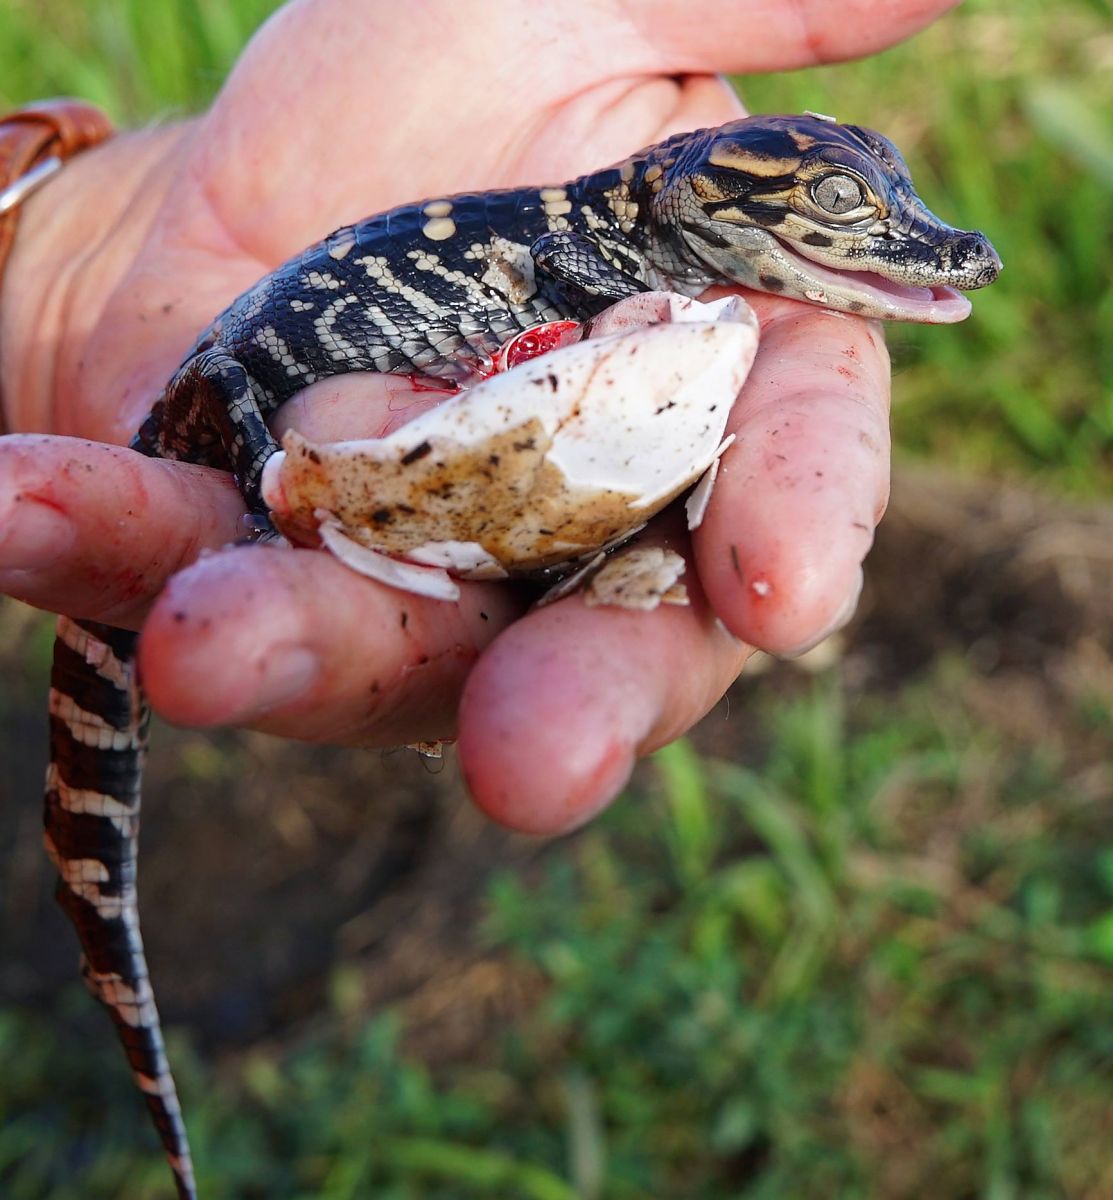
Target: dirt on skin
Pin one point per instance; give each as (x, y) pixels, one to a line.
(264, 864)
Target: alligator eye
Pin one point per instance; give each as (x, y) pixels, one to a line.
(837, 194)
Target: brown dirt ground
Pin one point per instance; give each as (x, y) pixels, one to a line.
(265, 864)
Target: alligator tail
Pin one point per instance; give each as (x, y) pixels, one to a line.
(98, 737)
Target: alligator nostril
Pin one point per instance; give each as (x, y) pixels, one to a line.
(971, 260)
(976, 249)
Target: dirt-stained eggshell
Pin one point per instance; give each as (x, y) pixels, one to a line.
(538, 466)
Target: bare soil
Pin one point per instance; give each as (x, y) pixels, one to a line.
(265, 865)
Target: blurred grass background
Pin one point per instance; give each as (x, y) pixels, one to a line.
(1004, 110)
(873, 958)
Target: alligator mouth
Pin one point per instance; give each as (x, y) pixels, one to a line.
(841, 288)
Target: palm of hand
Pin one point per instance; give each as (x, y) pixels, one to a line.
(553, 710)
(276, 164)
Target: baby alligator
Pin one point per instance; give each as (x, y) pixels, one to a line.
(795, 205)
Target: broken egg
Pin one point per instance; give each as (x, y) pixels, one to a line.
(537, 467)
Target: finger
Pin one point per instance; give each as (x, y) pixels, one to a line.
(699, 101)
(799, 493)
(94, 530)
(561, 705)
(296, 644)
(545, 81)
(356, 405)
(708, 36)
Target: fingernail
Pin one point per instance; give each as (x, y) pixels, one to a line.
(285, 675)
(841, 618)
(33, 535)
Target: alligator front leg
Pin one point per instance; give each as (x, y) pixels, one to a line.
(578, 265)
(210, 403)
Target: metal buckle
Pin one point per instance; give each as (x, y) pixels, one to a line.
(18, 191)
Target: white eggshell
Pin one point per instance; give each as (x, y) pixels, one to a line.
(695, 507)
(407, 577)
(540, 465)
(640, 577)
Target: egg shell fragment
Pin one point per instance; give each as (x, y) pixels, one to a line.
(540, 465)
(640, 577)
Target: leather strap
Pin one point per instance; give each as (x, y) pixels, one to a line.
(32, 141)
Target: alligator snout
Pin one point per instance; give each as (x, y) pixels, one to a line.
(973, 260)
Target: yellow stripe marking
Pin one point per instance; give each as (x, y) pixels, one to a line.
(95, 652)
(88, 728)
(439, 229)
(88, 802)
(734, 158)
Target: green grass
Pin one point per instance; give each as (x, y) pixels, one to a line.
(136, 59)
(876, 965)
(1004, 110)
(877, 961)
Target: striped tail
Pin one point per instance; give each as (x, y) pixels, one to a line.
(98, 737)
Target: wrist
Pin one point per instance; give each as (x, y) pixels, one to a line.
(77, 237)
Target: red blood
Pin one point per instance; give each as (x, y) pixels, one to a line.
(47, 501)
(541, 339)
(531, 343)
(427, 383)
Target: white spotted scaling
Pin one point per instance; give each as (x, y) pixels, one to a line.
(480, 295)
(440, 226)
(321, 281)
(387, 280)
(623, 205)
(340, 244)
(556, 206)
(655, 177)
(268, 339)
(332, 341)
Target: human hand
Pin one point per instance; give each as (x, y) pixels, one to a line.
(335, 111)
